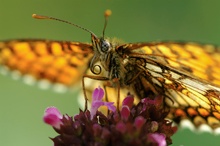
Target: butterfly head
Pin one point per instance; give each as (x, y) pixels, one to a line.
(102, 48)
(102, 51)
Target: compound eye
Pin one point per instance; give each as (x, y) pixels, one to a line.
(105, 45)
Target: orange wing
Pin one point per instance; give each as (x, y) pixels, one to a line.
(56, 61)
(187, 74)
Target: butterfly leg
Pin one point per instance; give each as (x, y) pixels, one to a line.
(83, 85)
(106, 95)
(105, 86)
(116, 84)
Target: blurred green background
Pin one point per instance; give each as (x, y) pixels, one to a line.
(22, 106)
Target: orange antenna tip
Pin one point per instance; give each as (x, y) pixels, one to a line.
(39, 16)
(108, 13)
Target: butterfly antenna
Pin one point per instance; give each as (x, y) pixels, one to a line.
(52, 18)
(106, 15)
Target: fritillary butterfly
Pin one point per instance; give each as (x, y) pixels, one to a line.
(187, 74)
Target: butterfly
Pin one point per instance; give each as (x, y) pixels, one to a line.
(185, 73)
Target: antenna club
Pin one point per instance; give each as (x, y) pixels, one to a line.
(39, 16)
(108, 13)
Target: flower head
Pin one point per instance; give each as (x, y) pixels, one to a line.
(143, 124)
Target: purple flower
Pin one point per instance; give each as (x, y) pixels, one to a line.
(97, 102)
(140, 124)
(52, 116)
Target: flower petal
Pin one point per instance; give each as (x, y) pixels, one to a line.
(94, 107)
(110, 106)
(129, 100)
(97, 104)
(98, 94)
(157, 138)
(52, 116)
(125, 112)
(139, 122)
